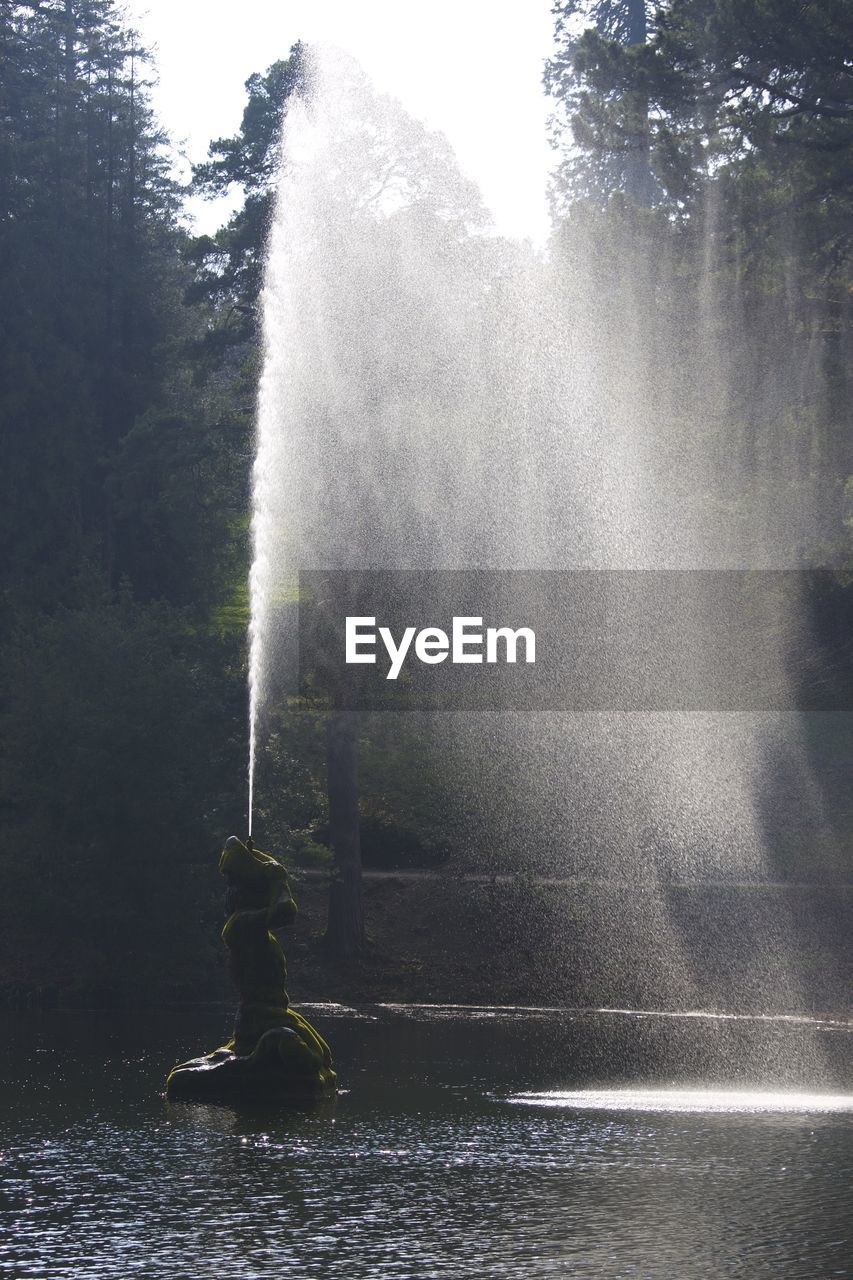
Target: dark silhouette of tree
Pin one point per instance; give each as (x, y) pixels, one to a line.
(229, 265)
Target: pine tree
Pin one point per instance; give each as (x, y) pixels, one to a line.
(600, 44)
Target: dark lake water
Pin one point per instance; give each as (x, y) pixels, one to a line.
(466, 1143)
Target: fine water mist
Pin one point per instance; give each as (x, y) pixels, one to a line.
(438, 396)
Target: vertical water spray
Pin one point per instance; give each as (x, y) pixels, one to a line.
(435, 396)
(367, 369)
(253, 750)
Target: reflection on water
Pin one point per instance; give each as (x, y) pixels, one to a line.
(641, 1152)
(701, 1100)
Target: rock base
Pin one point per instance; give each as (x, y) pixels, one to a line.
(280, 1069)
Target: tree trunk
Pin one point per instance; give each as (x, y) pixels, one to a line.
(345, 929)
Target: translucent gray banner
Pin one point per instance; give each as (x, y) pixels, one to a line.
(633, 640)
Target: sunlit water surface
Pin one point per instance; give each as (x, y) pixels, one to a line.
(466, 1143)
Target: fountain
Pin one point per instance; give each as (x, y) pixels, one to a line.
(436, 396)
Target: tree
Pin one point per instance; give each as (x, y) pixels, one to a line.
(592, 74)
(731, 83)
(120, 525)
(345, 927)
(751, 148)
(88, 244)
(229, 265)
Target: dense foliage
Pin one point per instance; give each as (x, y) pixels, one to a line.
(124, 491)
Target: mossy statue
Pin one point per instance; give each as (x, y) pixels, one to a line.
(275, 1053)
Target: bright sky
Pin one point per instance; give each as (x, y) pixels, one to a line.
(472, 68)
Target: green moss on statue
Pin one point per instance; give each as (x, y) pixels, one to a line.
(275, 1052)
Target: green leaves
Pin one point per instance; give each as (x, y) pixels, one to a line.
(228, 266)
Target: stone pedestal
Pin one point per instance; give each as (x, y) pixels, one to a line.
(275, 1054)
